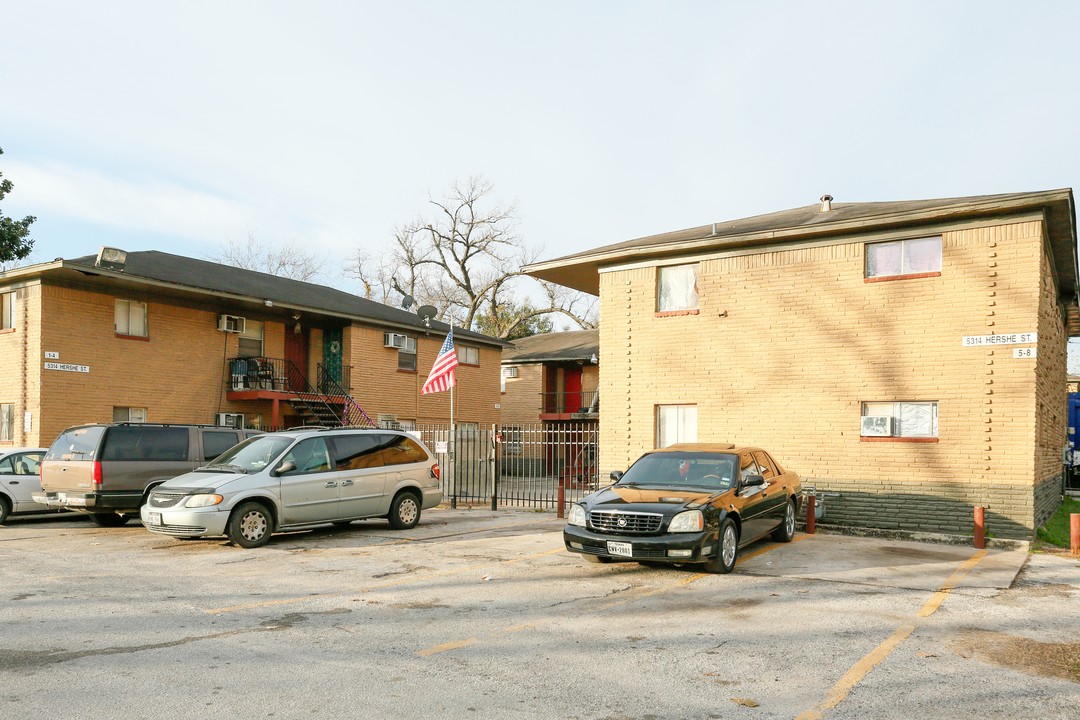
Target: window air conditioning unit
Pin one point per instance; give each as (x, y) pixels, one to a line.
(233, 420)
(877, 426)
(230, 324)
(510, 372)
(395, 340)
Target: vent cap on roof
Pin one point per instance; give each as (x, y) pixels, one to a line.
(826, 203)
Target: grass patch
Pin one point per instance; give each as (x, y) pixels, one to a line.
(1056, 530)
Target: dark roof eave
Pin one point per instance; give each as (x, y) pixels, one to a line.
(581, 270)
(436, 326)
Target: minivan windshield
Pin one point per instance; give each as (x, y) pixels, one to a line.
(252, 455)
(78, 443)
(697, 469)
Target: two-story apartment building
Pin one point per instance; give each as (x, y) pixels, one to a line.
(156, 337)
(550, 405)
(907, 358)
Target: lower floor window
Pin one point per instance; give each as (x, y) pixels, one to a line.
(7, 422)
(900, 419)
(129, 414)
(675, 424)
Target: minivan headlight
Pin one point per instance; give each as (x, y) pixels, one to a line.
(205, 500)
(689, 521)
(576, 516)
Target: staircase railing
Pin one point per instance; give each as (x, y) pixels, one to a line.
(351, 412)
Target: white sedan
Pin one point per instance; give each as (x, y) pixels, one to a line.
(18, 479)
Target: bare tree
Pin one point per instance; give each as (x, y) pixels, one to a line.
(287, 259)
(465, 258)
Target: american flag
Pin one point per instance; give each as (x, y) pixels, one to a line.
(441, 376)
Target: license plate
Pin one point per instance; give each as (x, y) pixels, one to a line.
(77, 501)
(620, 548)
(155, 518)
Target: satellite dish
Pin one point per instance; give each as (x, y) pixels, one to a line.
(426, 312)
(407, 301)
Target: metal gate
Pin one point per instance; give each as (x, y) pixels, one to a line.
(515, 465)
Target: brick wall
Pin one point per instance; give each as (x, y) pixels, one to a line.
(787, 344)
(522, 401)
(178, 373)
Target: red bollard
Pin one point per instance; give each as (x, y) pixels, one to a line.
(562, 501)
(980, 527)
(811, 518)
(1074, 534)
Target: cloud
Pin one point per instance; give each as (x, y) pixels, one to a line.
(152, 206)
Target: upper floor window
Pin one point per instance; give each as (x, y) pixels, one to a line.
(899, 258)
(468, 355)
(7, 310)
(129, 414)
(406, 359)
(131, 318)
(677, 288)
(900, 419)
(251, 340)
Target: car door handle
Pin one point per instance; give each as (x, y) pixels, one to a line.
(346, 483)
(330, 484)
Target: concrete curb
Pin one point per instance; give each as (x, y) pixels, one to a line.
(917, 536)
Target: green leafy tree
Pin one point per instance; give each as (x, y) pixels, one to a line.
(15, 242)
(513, 322)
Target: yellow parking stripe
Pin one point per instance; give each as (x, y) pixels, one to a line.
(447, 646)
(861, 669)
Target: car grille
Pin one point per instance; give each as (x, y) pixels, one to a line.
(165, 499)
(625, 523)
(181, 530)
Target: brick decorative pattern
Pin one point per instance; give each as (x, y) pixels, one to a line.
(789, 342)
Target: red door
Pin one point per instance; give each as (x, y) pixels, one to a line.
(572, 390)
(296, 352)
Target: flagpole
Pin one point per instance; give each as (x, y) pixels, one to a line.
(452, 474)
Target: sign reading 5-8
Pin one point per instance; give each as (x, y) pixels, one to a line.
(1029, 338)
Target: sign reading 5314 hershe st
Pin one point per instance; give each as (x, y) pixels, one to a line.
(1028, 338)
(67, 367)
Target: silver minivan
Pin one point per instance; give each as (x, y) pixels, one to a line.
(296, 479)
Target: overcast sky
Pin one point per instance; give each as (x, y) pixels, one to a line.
(179, 126)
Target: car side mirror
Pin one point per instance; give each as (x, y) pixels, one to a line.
(286, 467)
(752, 481)
(616, 475)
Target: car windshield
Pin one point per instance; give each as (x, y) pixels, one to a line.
(253, 454)
(698, 469)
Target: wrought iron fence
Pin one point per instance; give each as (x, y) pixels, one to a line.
(516, 465)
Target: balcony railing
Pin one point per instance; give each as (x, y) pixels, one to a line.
(571, 403)
(281, 375)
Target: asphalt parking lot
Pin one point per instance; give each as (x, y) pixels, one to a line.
(483, 614)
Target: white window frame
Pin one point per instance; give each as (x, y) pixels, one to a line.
(904, 270)
(129, 414)
(7, 310)
(407, 355)
(905, 415)
(677, 287)
(676, 424)
(468, 355)
(123, 318)
(253, 332)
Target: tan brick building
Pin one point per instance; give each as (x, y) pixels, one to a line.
(908, 358)
(166, 338)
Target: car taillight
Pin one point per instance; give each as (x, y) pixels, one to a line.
(435, 471)
(95, 473)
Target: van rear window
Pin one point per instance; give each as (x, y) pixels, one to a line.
(134, 442)
(76, 444)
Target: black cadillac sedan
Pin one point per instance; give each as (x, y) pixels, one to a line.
(690, 503)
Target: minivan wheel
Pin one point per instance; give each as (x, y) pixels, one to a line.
(250, 525)
(727, 548)
(110, 520)
(786, 531)
(404, 511)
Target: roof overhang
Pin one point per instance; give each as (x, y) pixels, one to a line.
(581, 271)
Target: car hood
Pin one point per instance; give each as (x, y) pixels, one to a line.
(201, 480)
(654, 499)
